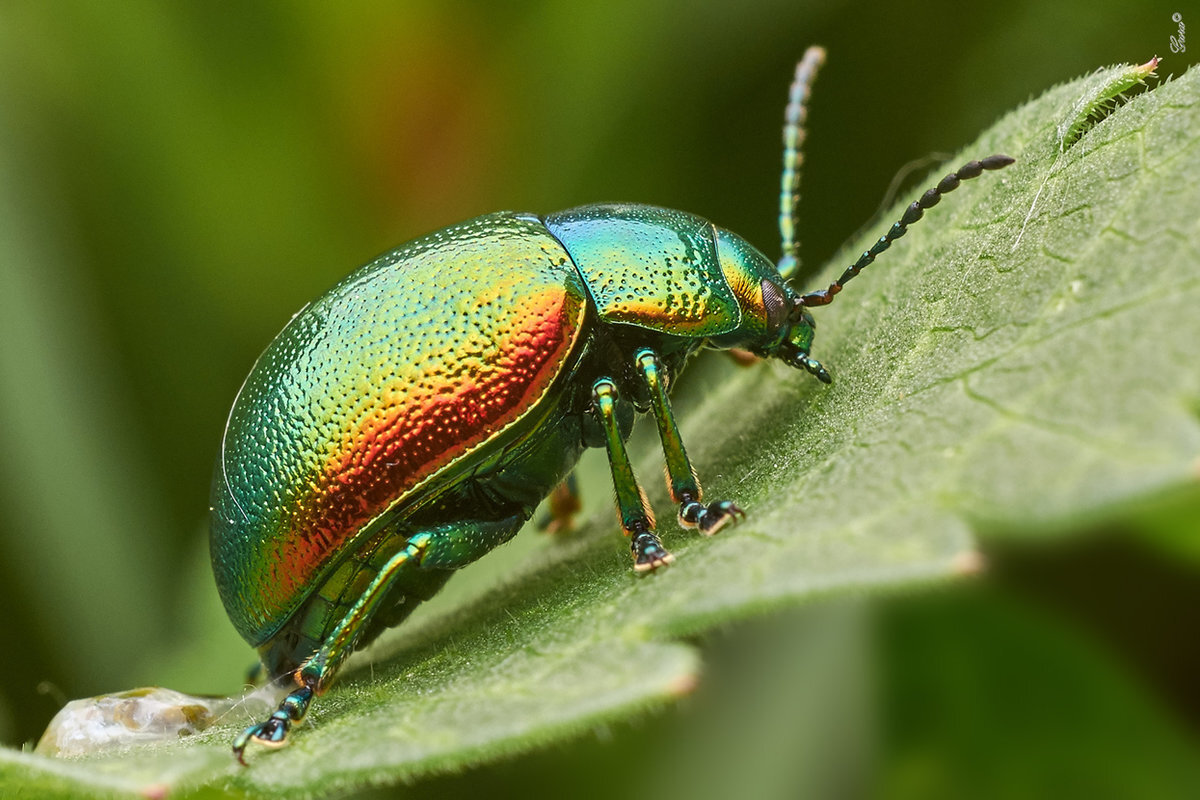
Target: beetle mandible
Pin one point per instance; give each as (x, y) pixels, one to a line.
(413, 417)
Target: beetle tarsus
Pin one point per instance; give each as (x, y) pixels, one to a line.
(267, 733)
(648, 552)
(711, 518)
(273, 732)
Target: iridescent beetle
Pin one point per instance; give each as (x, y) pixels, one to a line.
(412, 418)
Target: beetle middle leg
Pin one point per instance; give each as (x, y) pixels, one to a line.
(561, 507)
(681, 478)
(636, 517)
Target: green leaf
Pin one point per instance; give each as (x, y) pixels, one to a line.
(1024, 360)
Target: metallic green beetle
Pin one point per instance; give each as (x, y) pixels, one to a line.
(413, 417)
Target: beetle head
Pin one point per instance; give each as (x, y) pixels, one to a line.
(774, 321)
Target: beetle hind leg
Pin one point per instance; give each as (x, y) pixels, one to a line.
(681, 478)
(318, 670)
(446, 547)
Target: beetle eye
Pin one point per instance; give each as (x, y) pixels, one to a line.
(775, 304)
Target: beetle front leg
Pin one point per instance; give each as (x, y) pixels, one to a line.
(681, 478)
(636, 517)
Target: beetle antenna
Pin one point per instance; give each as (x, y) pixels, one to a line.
(972, 169)
(793, 138)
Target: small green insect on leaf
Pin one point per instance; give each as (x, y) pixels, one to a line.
(1103, 91)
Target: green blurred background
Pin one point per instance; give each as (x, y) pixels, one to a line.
(176, 179)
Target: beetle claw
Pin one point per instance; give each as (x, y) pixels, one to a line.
(272, 733)
(650, 565)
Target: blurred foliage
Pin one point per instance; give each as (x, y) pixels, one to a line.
(177, 179)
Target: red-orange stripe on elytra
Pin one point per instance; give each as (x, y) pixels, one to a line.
(408, 434)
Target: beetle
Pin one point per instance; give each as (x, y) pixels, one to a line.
(412, 418)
